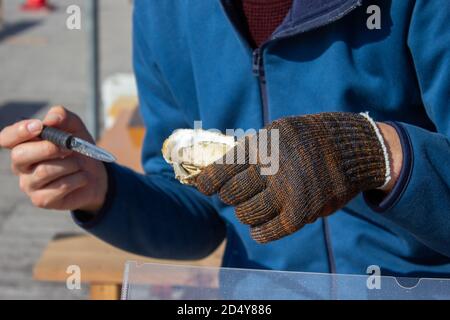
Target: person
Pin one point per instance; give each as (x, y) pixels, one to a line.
(353, 189)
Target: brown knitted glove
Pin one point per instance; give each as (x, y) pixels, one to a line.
(324, 161)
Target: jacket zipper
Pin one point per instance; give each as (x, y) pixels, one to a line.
(259, 72)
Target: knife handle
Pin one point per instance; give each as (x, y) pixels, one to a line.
(56, 136)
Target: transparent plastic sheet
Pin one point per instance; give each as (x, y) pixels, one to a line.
(174, 282)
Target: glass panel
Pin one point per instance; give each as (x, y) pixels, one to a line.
(174, 282)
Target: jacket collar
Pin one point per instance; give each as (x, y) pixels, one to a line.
(304, 15)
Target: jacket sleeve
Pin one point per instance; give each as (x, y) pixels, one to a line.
(153, 214)
(420, 201)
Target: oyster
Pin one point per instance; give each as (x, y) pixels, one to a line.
(191, 150)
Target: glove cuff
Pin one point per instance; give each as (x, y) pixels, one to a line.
(356, 144)
(363, 154)
(387, 163)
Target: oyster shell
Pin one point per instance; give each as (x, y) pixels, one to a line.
(191, 150)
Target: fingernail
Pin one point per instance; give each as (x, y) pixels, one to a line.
(34, 126)
(53, 117)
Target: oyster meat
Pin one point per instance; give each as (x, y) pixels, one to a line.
(191, 150)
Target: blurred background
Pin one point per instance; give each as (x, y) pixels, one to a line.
(44, 63)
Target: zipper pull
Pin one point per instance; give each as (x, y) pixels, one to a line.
(257, 62)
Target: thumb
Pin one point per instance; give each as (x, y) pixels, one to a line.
(61, 118)
(52, 119)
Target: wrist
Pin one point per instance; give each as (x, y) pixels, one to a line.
(92, 208)
(91, 215)
(99, 189)
(395, 154)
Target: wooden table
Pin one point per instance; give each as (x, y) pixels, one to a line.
(101, 264)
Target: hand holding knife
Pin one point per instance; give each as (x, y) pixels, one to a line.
(68, 141)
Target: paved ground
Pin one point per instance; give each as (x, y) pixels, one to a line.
(42, 63)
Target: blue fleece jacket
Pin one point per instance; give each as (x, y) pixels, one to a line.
(192, 63)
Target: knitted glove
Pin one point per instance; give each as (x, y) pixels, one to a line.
(325, 160)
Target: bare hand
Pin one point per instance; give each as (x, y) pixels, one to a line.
(51, 177)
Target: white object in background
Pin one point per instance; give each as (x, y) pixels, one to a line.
(114, 87)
